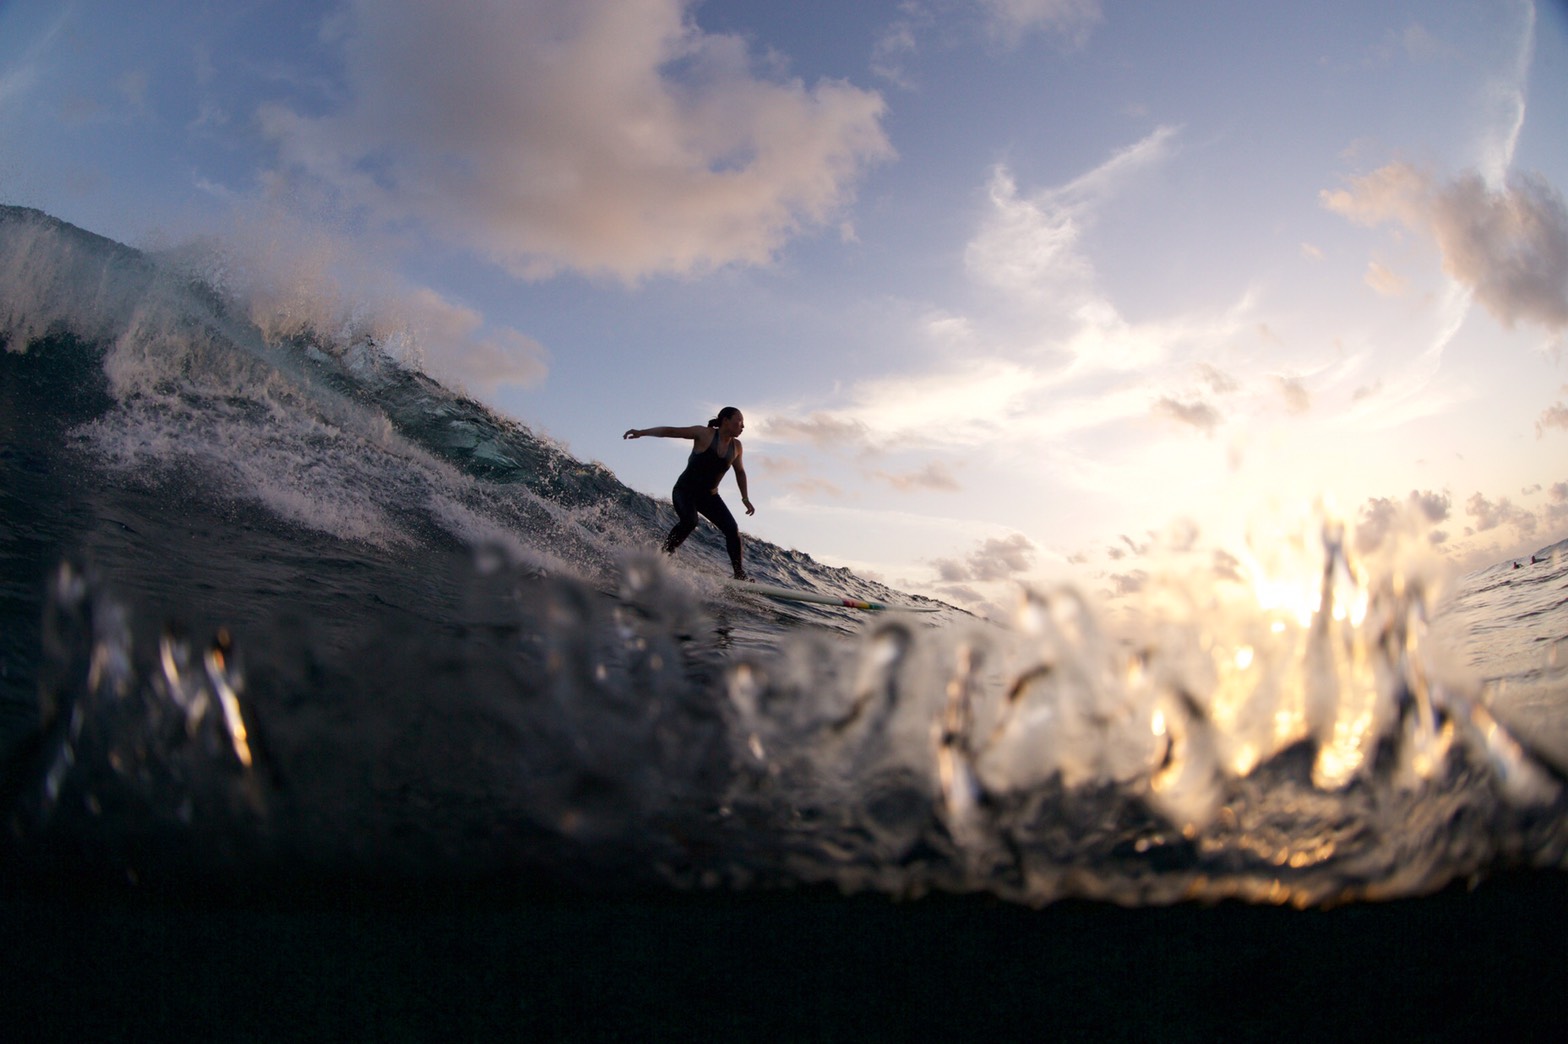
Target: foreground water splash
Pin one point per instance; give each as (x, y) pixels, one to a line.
(1306, 753)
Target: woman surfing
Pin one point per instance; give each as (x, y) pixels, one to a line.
(715, 448)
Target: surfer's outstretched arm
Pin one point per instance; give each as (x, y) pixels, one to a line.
(665, 432)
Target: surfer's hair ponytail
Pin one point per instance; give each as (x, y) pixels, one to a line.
(725, 414)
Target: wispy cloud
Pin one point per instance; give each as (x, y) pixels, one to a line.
(897, 45)
(935, 476)
(1297, 399)
(606, 136)
(1031, 246)
(1073, 20)
(1385, 281)
(1197, 414)
(19, 79)
(818, 429)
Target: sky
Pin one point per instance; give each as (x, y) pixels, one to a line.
(1009, 291)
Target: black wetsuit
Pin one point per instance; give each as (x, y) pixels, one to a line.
(697, 491)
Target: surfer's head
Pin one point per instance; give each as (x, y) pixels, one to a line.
(729, 421)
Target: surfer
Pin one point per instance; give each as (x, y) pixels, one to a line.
(715, 448)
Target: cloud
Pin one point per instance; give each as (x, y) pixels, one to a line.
(1382, 516)
(1123, 584)
(1384, 281)
(18, 79)
(300, 277)
(1072, 19)
(1222, 382)
(896, 44)
(1488, 515)
(1508, 245)
(1397, 192)
(934, 476)
(1421, 46)
(797, 476)
(1297, 399)
(1199, 415)
(1030, 246)
(994, 559)
(1228, 567)
(604, 136)
(132, 86)
(1557, 510)
(1554, 416)
(819, 429)
(961, 593)
(1435, 507)
(481, 357)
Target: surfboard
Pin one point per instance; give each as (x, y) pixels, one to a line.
(790, 594)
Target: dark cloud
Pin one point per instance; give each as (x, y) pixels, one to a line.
(1199, 414)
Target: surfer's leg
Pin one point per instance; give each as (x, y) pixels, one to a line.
(686, 522)
(718, 513)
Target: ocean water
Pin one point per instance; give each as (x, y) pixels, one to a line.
(281, 616)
